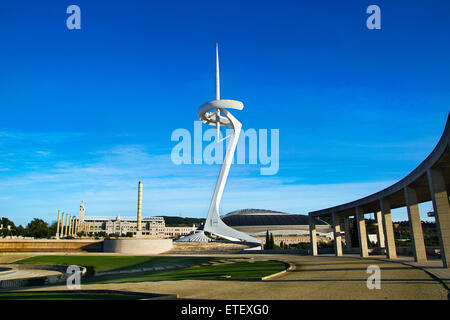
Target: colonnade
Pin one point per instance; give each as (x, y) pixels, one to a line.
(385, 231)
(68, 226)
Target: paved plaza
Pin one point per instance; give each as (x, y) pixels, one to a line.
(319, 277)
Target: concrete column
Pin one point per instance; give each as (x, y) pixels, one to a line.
(139, 210)
(62, 226)
(337, 234)
(380, 232)
(391, 251)
(440, 199)
(313, 236)
(66, 229)
(362, 234)
(66, 226)
(69, 233)
(57, 224)
(348, 235)
(69, 225)
(415, 225)
(75, 228)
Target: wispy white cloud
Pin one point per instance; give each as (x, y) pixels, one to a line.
(108, 185)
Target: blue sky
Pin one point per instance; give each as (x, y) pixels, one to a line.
(85, 114)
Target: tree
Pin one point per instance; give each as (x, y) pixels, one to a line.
(171, 221)
(6, 222)
(38, 228)
(5, 232)
(267, 244)
(272, 242)
(102, 234)
(8, 227)
(20, 231)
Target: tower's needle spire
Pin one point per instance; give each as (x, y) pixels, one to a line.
(217, 93)
(217, 73)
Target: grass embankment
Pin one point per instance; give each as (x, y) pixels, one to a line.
(116, 263)
(239, 270)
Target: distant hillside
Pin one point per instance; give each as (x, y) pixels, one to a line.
(182, 222)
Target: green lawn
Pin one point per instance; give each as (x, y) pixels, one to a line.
(114, 263)
(241, 269)
(76, 295)
(238, 270)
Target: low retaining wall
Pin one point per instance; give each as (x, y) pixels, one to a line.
(290, 251)
(51, 245)
(401, 251)
(209, 247)
(137, 246)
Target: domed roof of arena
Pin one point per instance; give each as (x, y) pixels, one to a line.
(262, 217)
(197, 236)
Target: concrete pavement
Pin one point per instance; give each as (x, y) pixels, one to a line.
(322, 277)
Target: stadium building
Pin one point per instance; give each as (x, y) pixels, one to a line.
(286, 227)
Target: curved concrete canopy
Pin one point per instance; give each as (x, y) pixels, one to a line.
(439, 158)
(219, 104)
(213, 117)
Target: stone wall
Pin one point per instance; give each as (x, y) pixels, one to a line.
(51, 245)
(137, 246)
(207, 247)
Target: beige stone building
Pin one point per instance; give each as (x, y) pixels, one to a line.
(292, 239)
(175, 232)
(152, 227)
